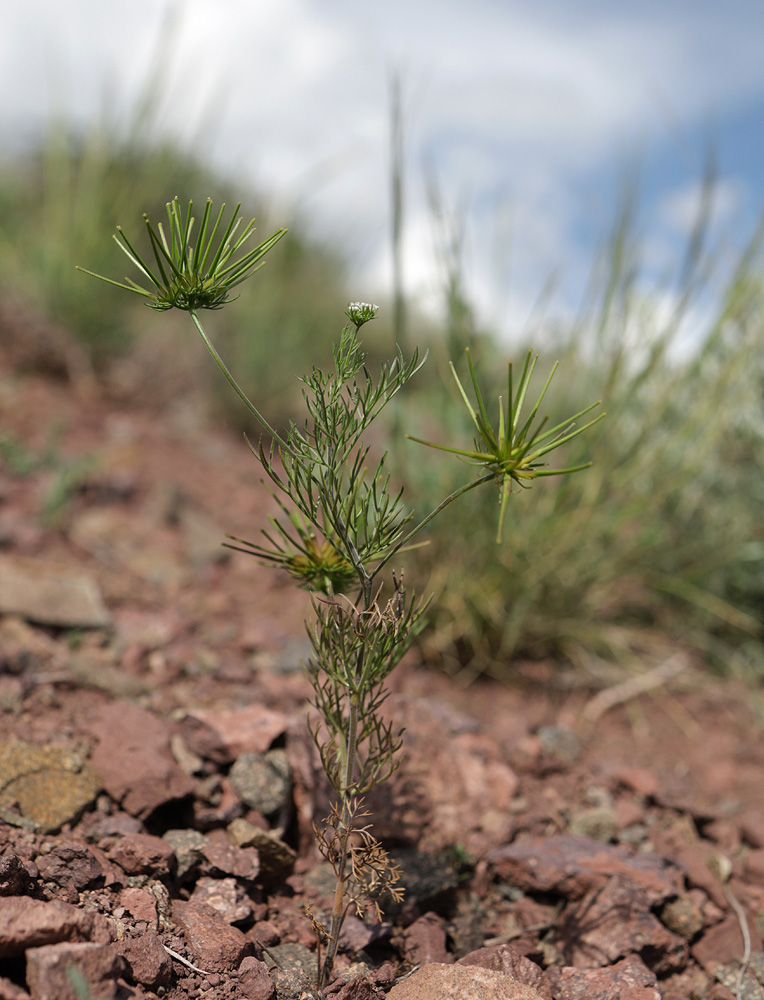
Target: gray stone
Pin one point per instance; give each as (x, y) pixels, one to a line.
(292, 968)
(598, 823)
(560, 742)
(50, 594)
(263, 780)
(188, 846)
(277, 859)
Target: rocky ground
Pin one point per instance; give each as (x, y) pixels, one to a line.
(158, 785)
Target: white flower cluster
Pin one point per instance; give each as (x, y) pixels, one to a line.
(361, 312)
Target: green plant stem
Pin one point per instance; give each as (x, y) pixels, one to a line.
(351, 752)
(433, 513)
(234, 384)
(339, 908)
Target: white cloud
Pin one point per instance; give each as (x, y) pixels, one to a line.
(513, 104)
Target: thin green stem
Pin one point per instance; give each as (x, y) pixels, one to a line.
(434, 513)
(339, 908)
(234, 384)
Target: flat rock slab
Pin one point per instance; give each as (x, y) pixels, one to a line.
(626, 980)
(224, 736)
(461, 982)
(504, 958)
(31, 923)
(50, 594)
(616, 921)
(51, 784)
(133, 759)
(149, 963)
(50, 971)
(573, 866)
(215, 945)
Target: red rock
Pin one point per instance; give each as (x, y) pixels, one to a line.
(628, 811)
(453, 786)
(133, 759)
(754, 866)
(226, 896)
(357, 988)
(70, 864)
(504, 958)
(435, 982)
(30, 923)
(149, 963)
(215, 945)
(424, 941)
(456, 774)
(752, 827)
(629, 979)
(224, 736)
(10, 991)
(16, 875)
(140, 905)
(356, 935)
(227, 808)
(143, 854)
(49, 971)
(614, 922)
(254, 981)
(264, 932)
(573, 866)
(227, 859)
(638, 779)
(723, 943)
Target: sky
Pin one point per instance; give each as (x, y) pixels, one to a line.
(527, 117)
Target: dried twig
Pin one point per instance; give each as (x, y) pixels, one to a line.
(635, 686)
(185, 961)
(744, 930)
(520, 932)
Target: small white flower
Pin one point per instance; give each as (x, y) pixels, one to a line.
(361, 312)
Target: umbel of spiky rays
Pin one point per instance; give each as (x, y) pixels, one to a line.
(199, 276)
(192, 276)
(513, 452)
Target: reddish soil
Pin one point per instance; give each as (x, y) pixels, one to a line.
(594, 851)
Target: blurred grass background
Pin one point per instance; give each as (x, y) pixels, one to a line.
(660, 543)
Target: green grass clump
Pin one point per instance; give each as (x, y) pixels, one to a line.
(662, 542)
